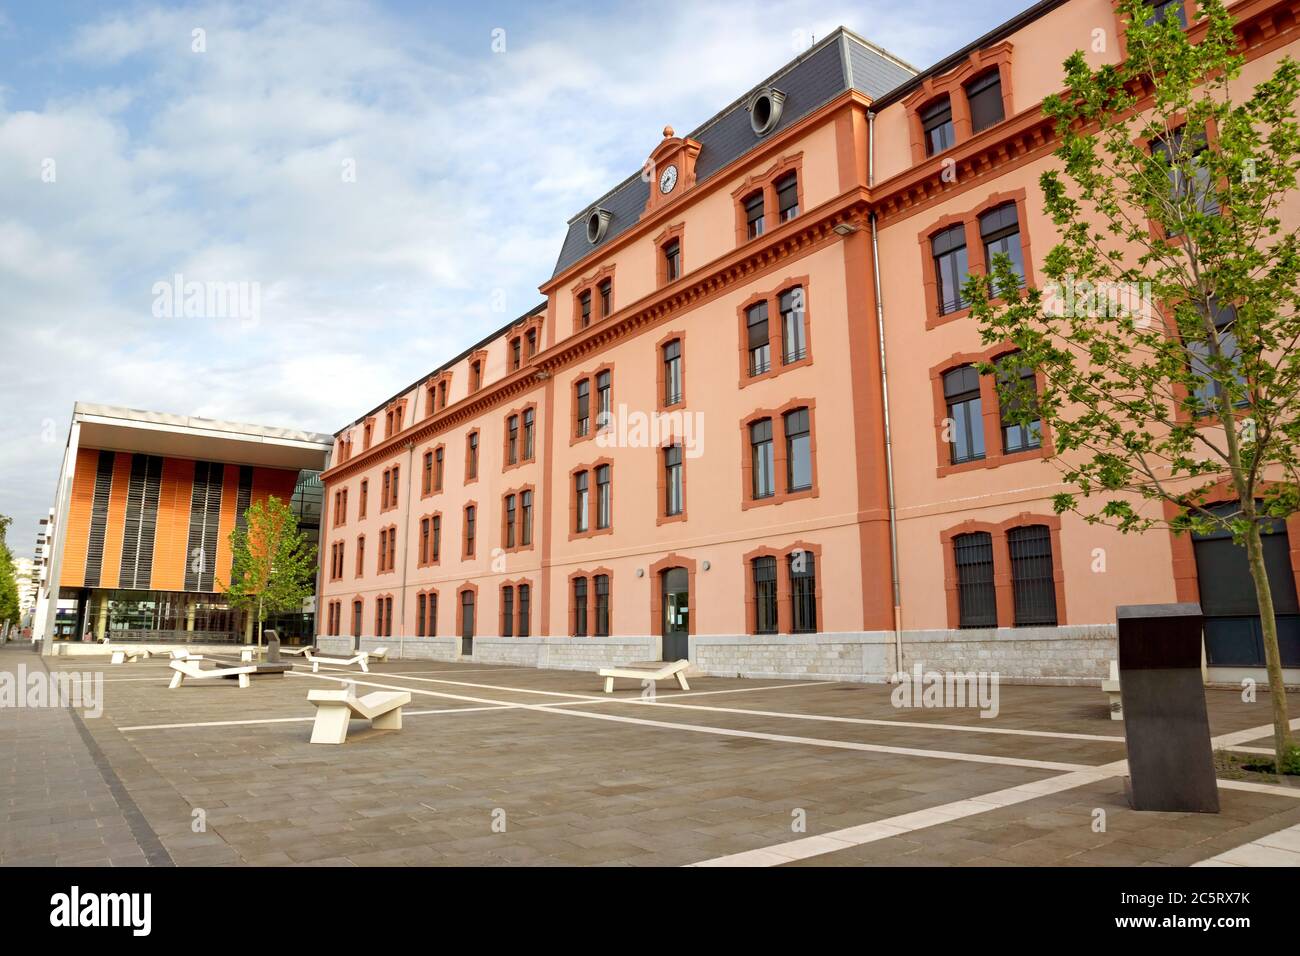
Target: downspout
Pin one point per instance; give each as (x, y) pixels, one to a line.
(406, 550)
(889, 453)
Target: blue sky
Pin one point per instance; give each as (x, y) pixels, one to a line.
(127, 157)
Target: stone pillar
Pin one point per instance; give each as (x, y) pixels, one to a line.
(101, 616)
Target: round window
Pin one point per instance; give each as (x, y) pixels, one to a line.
(765, 110)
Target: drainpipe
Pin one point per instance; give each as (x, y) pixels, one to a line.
(406, 550)
(889, 453)
(871, 150)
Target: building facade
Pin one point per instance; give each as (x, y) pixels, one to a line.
(744, 425)
(139, 539)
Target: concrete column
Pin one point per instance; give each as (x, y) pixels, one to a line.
(189, 615)
(101, 616)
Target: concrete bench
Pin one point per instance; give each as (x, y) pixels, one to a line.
(378, 654)
(298, 651)
(120, 655)
(191, 668)
(1111, 689)
(316, 662)
(179, 654)
(335, 708)
(655, 671)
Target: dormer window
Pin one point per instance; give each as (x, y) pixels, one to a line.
(936, 122)
(984, 96)
(476, 375)
(597, 224)
(765, 110)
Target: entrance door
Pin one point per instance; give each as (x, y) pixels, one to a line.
(466, 623)
(1233, 637)
(676, 614)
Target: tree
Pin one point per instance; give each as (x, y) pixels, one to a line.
(1165, 341)
(274, 567)
(8, 578)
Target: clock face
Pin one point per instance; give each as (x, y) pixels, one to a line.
(668, 180)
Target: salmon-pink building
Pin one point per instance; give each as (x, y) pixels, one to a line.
(744, 426)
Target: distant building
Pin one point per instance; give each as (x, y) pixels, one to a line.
(25, 572)
(138, 542)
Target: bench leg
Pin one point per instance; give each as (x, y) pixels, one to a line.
(1116, 706)
(331, 726)
(609, 685)
(315, 667)
(389, 721)
(681, 681)
(117, 658)
(363, 665)
(243, 680)
(177, 678)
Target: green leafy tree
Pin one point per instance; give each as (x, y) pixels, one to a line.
(1166, 337)
(274, 567)
(8, 578)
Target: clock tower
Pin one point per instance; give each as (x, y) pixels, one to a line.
(670, 170)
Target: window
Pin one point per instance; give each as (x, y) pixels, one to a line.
(512, 440)
(762, 458)
(475, 375)
(384, 616)
(471, 513)
(604, 407)
(976, 597)
(584, 310)
(436, 552)
(606, 290)
(948, 248)
(361, 555)
(1165, 10)
(961, 391)
(531, 338)
(672, 260)
(383, 550)
(1209, 385)
(1032, 582)
(471, 456)
(984, 96)
(387, 493)
(437, 468)
(579, 607)
(393, 503)
(392, 548)
(516, 354)
(936, 124)
(764, 571)
(426, 479)
(466, 613)
(530, 416)
(525, 518)
(1178, 153)
(754, 215)
(673, 489)
(604, 501)
(803, 593)
(787, 196)
(426, 539)
(794, 337)
(524, 613)
(419, 614)
(580, 502)
(1017, 437)
(601, 585)
(760, 349)
(368, 433)
(365, 494)
(442, 394)
(356, 618)
(672, 357)
(798, 450)
(510, 521)
(507, 611)
(582, 407)
(1000, 233)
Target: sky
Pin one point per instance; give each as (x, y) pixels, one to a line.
(378, 184)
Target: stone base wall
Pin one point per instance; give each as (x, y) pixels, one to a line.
(1070, 655)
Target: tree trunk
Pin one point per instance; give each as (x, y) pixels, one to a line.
(1272, 656)
(259, 623)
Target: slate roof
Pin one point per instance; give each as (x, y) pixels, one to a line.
(840, 62)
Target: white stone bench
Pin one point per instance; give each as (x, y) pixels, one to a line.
(316, 662)
(335, 708)
(179, 654)
(378, 654)
(191, 668)
(1111, 689)
(656, 671)
(120, 655)
(298, 651)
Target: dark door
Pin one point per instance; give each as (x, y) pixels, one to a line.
(676, 614)
(1233, 637)
(467, 623)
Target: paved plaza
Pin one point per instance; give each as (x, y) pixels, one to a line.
(505, 765)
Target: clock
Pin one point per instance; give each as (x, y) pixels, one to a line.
(668, 180)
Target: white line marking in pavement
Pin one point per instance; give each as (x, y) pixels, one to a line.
(292, 720)
(1251, 733)
(1276, 849)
